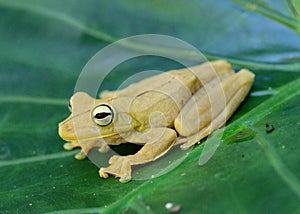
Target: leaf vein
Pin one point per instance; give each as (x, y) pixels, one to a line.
(36, 158)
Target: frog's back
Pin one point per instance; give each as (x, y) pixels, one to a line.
(156, 101)
(193, 78)
(159, 106)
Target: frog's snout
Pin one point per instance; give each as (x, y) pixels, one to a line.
(65, 131)
(61, 131)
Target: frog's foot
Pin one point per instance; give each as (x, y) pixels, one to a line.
(119, 167)
(187, 142)
(70, 146)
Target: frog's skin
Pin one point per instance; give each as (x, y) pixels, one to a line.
(159, 112)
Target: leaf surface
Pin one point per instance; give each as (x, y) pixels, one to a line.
(45, 44)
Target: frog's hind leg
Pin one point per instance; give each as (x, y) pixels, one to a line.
(199, 120)
(187, 76)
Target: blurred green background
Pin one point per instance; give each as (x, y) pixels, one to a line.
(44, 44)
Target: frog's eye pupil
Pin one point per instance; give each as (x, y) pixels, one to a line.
(103, 115)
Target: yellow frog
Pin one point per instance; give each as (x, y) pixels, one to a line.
(175, 107)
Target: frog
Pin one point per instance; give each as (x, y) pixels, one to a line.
(179, 107)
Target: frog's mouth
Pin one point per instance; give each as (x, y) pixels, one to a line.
(73, 135)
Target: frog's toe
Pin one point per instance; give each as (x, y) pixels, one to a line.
(186, 146)
(104, 149)
(188, 142)
(115, 159)
(102, 173)
(125, 179)
(71, 146)
(119, 167)
(184, 143)
(80, 155)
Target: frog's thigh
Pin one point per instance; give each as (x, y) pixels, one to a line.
(162, 139)
(234, 96)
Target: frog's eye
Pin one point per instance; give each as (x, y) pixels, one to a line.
(103, 115)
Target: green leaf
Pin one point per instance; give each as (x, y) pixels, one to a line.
(267, 10)
(45, 44)
(294, 6)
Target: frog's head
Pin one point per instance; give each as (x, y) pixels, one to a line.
(91, 118)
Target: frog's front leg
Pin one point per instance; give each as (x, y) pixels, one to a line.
(161, 140)
(86, 146)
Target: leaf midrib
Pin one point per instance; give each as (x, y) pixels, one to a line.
(39, 158)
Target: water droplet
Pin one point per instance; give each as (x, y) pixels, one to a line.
(172, 207)
(169, 205)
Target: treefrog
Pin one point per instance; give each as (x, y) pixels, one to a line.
(176, 107)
